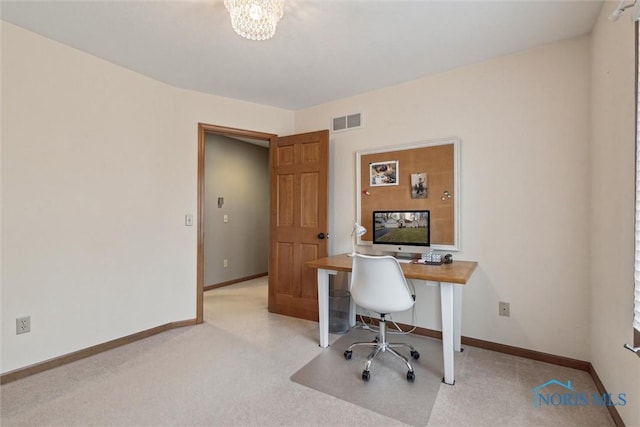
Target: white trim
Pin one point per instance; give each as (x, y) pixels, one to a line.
(636, 292)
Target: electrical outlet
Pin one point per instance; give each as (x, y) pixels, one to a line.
(503, 308)
(225, 263)
(23, 325)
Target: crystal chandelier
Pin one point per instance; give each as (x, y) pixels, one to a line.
(255, 19)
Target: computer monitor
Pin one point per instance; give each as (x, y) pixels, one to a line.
(403, 232)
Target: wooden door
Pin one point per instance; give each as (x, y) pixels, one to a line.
(298, 230)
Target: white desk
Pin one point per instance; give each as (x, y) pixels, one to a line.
(449, 277)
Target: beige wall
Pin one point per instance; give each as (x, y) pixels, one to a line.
(612, 206)
(547, 192)
(524, 124)
(99, 167)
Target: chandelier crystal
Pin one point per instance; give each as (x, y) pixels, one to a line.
(255, 19)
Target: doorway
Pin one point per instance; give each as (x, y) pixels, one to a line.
(203, 130)
(236, 206)
(299, 200)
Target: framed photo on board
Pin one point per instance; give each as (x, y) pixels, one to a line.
(419, 189)
(383, 173)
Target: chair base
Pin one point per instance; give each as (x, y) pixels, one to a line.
(381, 345)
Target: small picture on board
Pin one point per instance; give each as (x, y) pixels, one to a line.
(419, 189)
(383, 173)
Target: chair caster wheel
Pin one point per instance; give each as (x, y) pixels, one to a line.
(347, 354)
(415, 355)
(411, 376)
(365, 375)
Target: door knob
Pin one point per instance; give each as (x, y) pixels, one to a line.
(321, 236)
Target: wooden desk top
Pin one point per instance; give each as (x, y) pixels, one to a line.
(458, 272)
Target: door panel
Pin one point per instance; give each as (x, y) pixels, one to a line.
(284, 272)
(285, 204)
(308, 275)
(309, 202)
(299, 204)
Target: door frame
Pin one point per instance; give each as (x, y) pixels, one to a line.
(203, 130)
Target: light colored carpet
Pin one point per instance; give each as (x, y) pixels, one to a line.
(387, 392)
(234, 371)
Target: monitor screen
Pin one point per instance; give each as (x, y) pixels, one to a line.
(404, 229)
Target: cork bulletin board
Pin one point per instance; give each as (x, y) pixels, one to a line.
(417, 176)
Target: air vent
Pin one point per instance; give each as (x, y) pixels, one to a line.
(342, 123)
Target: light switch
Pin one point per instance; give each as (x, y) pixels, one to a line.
(225, 218)
(188, 220)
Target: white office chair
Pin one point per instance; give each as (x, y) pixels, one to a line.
(378, 284)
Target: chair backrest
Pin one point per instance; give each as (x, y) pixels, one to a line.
(378, 284)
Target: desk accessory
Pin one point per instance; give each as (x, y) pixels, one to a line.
(431, 258)
(358, 231)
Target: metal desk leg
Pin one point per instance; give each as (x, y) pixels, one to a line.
(446, 305)
(457, 318)
(323, 305)
(352, 309)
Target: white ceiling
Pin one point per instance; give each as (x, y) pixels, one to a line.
(322, 51)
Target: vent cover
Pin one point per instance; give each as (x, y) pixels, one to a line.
(342, 123)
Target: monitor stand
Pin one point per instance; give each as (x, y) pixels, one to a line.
(403, 257)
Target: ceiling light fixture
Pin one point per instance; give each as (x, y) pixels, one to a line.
(255, 19)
